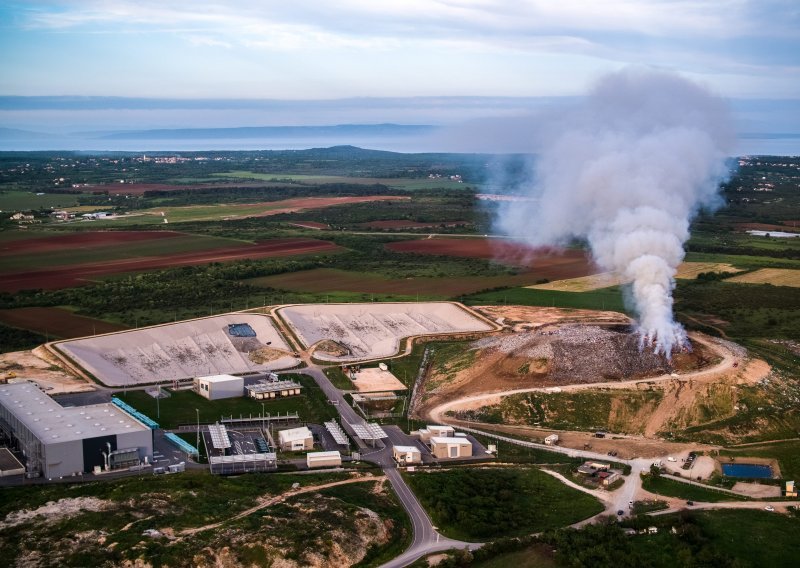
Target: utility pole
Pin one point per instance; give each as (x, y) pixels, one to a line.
(197, 410)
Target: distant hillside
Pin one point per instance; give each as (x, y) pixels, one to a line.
(336, 131)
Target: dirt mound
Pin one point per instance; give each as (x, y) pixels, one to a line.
(550, 356)
(266, 354)
(332, 348)
(577, 353)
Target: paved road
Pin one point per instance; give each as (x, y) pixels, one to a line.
(425, 537)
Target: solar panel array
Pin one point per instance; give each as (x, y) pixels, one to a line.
(337, 433)
(369, 431)
(219, 437)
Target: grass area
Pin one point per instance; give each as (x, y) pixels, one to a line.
(481, 504)
(26, 200)
(537, 556)
(601, 299)
(180, 408)
(508, 452)
(787, 454)
(661, 485)
(306, 179)
(749, 262)
(13, 339)
(338, 378)
(323, 521)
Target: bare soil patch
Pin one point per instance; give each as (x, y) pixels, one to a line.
(789, 227)
(42, 368)
(56, 322)
(82, 274)
(305, 203)
(88, 239)
(311, 225)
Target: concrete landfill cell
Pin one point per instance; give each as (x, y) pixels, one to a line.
(370, 331)
(176, 351)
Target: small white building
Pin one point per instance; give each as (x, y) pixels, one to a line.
(323, 459)
(406, 454)
(296, 439)
(216, 387)
(551, 440)
(434, 431)
(444, 447)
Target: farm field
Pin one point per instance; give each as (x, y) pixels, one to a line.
(82, 273)
(101, 246)
(686, 271)
(774, 276)
(25, 200)
(322, 280)
(601, 299)
(56, 322)
(305, 179)
(225, 212)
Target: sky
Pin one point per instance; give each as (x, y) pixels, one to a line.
(495, 56)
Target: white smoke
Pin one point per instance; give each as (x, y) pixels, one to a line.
(627, 170)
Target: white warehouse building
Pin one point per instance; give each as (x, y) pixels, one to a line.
(58, 441)
(216, 387)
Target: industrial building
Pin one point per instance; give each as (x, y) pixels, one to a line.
(216, 387)
(264, 390)
(323, 459)
(406, 454)
(296, 439)
(434, 431)
(58, 441)
(445, 447)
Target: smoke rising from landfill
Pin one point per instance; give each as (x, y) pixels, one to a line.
(626, 170)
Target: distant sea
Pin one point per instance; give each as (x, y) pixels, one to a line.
(767, 144)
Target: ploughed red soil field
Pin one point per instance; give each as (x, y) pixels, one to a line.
(403, 224)
(56, 322)
(81, 274)
(505, 252)
(88, 239)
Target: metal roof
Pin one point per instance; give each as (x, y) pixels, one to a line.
(338, 434)
(273, 386)
(448, 440)
(369, 431)
(408, 449)
(219, 436)
(243, 458)
(219, 378)
(294, 434)
(53, 423)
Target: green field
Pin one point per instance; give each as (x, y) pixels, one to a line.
(11, 201)
(409, 184)
(481, 504)
(601, 299)
(661, 485)
(180, 408)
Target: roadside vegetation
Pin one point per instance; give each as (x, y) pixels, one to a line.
(485, 503)
(662, 485)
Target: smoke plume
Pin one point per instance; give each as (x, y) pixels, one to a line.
(626, 170)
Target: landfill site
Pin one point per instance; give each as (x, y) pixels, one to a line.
(227, 344)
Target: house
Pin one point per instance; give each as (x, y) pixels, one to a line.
(22, 218)
(445, 447)
(652, 530)
(407, 454)
(216, 387)
(323, 459)
(608, 477)
(296, 439)
(551, 440)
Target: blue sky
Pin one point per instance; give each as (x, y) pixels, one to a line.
(315, 50)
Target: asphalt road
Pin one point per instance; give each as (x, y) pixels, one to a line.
(425, 538)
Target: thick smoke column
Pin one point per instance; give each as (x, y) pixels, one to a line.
(627, 170)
